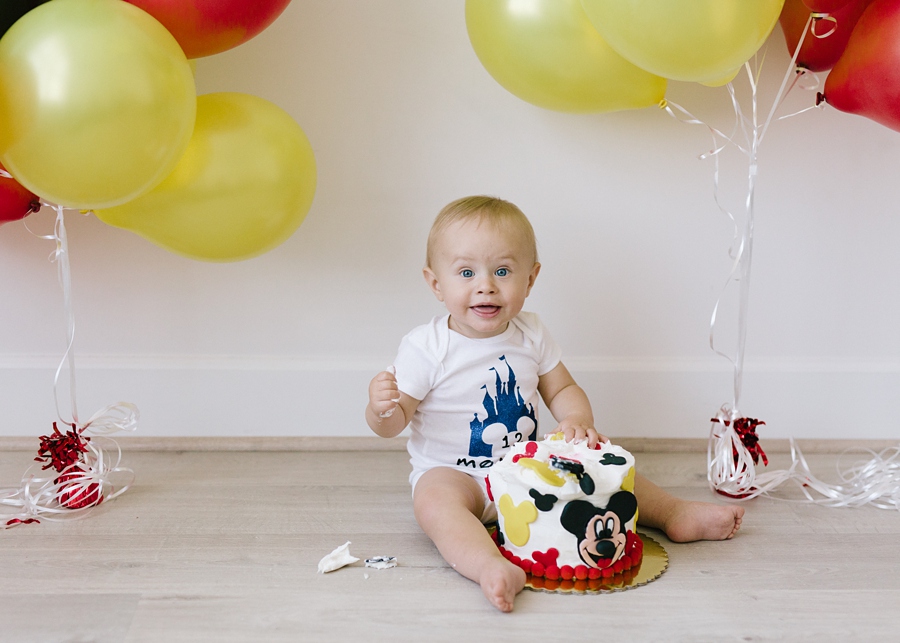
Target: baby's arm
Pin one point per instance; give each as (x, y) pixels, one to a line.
(389, 410)
(569, 405)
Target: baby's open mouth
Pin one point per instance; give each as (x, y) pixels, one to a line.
(486, 309)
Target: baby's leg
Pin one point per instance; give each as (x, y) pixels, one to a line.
(448, 506)
(684, 520)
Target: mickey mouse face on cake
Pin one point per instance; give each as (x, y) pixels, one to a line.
(536, 482)
(600, 532)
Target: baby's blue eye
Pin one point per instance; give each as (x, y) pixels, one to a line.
(467, 273)
(501, 272)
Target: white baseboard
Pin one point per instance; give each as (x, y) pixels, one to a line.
(373, 444)
(238, 396)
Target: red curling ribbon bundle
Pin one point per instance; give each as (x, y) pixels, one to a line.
(745, 428)
(86, 472)
(61, 450)
(733, 453)
(86, 468)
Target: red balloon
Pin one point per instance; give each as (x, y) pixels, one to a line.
(866, 78)
(206, 27)
(824, 6)
(15, 201)
(819, 53)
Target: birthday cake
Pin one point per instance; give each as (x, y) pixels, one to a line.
(566, 511)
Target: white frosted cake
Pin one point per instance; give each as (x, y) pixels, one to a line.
(566, 511)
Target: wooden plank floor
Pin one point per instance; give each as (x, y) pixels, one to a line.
(223, 546)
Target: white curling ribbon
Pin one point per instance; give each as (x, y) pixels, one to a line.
(874, 482)
(64, 273)
(731, 469)
(123, 416)
(818, 18)
(97, 477)
(807, 81)
(48, 495)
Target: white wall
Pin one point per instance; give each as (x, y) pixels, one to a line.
(403, 118)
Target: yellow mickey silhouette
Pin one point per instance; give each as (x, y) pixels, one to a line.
(543, 470)
(628, 485)
(516, 519)
(628, 482)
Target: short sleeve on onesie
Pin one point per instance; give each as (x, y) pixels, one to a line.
(478, 397)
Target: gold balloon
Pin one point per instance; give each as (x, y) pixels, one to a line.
(97, 102)
(547, 53)
(243, 186)
(691, 40)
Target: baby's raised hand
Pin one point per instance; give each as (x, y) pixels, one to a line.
(384, 395)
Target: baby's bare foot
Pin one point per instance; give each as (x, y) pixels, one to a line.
(500, 581)
(690, 521)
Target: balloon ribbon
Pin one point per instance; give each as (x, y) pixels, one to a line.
(85, 472)
(734, 449)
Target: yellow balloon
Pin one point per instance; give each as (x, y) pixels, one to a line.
(97, 102)
(724, 80)
(691, 40)
(243, 186)
(547, 53)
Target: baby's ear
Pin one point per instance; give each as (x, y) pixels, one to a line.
(533, 276)
(432, 281)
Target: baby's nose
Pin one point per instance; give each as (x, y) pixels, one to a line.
(486, 285)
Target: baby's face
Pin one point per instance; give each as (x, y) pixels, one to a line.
(482, 273)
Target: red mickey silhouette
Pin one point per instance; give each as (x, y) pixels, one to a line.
(546, 558)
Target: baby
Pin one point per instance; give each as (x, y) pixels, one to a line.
(482, 263)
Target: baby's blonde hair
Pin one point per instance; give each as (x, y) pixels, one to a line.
(492, 210)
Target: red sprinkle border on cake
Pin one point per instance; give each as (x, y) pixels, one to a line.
(633, 554)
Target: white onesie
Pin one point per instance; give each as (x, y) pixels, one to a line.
(478, 396)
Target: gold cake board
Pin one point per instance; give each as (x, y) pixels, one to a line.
(653, 564)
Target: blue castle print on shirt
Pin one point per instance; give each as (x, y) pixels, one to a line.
(507, 407)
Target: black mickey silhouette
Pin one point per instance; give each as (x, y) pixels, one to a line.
(542, 501)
